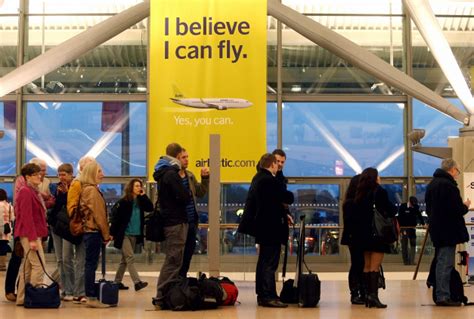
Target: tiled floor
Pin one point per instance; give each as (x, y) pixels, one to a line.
(405, 299)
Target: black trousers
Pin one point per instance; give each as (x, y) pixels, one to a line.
(189, 248)
(357, 267)
(408, 236)
(267, 265)
(12, 272)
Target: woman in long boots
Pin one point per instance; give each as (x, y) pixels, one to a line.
(369, 192)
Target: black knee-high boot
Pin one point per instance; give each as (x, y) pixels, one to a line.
(372, 292)
(355, 288)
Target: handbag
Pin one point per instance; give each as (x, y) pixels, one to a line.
(384, 228)
(76, 223)
(41, 296)
(154, 226)
(6, 227)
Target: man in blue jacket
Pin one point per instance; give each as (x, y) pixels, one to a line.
(173, 199)
(445, 210)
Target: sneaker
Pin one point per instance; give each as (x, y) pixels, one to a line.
(94, 303)
(140, 285)
(68, 298)
(79, 300)
(122, 286)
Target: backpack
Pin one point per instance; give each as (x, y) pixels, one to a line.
(229, 289)
(76, 222)
(182, 294)
(456, 289)
(211, 292)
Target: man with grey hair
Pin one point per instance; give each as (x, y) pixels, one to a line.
(445, 210)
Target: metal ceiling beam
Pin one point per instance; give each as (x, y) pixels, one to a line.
(421, 13)
(73, 48)
(362, 58)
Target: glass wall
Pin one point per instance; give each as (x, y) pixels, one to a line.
(8, 41)
(8, 141)
(341, 139)
(113, 132)
(438, 128)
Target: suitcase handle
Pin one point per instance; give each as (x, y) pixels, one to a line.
(103, 260)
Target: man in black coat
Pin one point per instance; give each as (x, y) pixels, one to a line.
(271, 228)
(173, 198)
(445, 210)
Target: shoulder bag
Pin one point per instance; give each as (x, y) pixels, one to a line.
(41, 296)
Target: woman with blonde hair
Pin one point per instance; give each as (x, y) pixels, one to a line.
(127, 228)
(96, 227)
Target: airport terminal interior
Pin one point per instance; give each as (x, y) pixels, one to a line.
(331, 116)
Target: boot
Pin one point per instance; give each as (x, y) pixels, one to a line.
(354, 287)
(3, 263)
(365, 280)
(373, 295)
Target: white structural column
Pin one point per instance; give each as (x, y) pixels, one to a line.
(421, 13)
(362, 58)
(73, 48)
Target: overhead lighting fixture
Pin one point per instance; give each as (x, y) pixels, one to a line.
(296, 88)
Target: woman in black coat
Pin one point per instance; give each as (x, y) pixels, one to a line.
(352, 220)
(369, 192)
(127, 221)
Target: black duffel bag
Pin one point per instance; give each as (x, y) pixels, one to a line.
(41, 296)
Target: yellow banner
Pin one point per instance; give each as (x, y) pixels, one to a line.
(208, 76)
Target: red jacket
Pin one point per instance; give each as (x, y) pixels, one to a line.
(30, 214)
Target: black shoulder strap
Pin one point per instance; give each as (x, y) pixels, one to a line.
(42, 266)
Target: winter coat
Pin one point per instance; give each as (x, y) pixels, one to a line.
(121, 218)
(364, 215)
(271, 218)
(92, 205)
(445, 210)
(172, 195)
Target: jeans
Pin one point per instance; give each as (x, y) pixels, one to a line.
(444, 266)
(188, 249)
(12, 272)
(59, 272)
(408, 236)
(128, 260)
(267, 265)
(174, 250)
(73, 263)
(92, 242)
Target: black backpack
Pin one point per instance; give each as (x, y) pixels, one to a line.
(182, 294)
(456, 289)
(211, 292)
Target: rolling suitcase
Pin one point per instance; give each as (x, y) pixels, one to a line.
(309, 286)
(107, 292)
